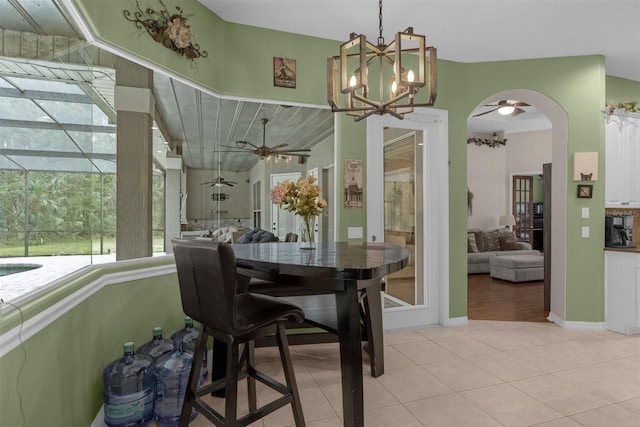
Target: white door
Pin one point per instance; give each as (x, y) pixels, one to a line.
(283, 221)
(408, 205)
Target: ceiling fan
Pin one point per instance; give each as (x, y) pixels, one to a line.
(219, 182)
(505, 107)
(266, 153)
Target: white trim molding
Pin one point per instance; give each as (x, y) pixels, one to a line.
(13, 337)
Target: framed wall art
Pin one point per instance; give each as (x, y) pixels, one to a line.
(585, 191)
(284, 72)
(353, 183)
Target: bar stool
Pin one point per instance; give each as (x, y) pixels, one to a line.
(209, 292)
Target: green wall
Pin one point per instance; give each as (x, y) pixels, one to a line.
(61, 379)
(240, 64)
(61, 376)
(622, 90)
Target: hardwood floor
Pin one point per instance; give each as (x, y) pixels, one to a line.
(495, 299)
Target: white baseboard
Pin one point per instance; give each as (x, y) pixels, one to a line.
(98, 421)
(457, 321)
(584, 326)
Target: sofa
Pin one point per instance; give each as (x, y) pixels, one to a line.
(482, 245)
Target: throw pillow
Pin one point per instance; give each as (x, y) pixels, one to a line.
(508, 242)
(491, 241)
(472, 246)
(479, 240)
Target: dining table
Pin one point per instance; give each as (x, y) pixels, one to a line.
(346, 269)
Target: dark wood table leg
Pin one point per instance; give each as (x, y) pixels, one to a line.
(348, 310)
(373, 314)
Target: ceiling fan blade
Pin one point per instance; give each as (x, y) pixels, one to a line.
(520, 104)
(486, 112)
(246, 143)
(229, 183)
(275, 147)
(517, 111)
(210, 182)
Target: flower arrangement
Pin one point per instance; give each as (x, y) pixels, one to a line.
(301, 197)
(170, 29)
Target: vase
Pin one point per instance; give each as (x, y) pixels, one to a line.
(307, 233)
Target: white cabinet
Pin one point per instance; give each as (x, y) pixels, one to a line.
(622, 283)
(622, 162)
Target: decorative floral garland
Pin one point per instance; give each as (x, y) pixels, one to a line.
(493, 143)
(630, 106)
(169, 29)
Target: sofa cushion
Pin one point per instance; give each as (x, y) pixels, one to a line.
(223, 234)
(491, 240)
(472, 246)
(479, 240)
(518, 252)
(508, 242)
(480, 257)
(257, 235)
(518, 261)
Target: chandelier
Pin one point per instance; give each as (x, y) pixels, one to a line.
(400, 69)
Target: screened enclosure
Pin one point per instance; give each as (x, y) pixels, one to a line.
(58, 160)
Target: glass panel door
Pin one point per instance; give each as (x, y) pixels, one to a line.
(402, 212)
(523, 207)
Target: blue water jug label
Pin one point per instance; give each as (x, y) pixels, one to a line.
(132, 407)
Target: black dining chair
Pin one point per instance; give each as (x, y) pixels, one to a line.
(209, 291)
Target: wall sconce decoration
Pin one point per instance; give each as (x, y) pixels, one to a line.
(493, 142)
(170, 29)
(585, 166)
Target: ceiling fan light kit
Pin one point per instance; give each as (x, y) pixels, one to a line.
(506, 107)
(349, 74)
(505, 111)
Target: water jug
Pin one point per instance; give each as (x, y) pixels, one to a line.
(187, 337)
(157, 346)
(172, 374)
(128, 390)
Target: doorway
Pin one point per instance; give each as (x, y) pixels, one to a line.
(529, 212)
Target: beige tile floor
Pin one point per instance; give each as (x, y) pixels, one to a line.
(486, 373)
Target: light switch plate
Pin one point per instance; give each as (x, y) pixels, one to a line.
(585, 213)
(585, 231)
(354, 232)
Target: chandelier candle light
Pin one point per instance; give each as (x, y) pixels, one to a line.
(401, 63)
(302, 198)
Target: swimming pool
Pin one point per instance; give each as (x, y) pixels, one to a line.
(6, 269)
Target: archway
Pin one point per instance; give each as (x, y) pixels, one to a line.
(558, 119)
